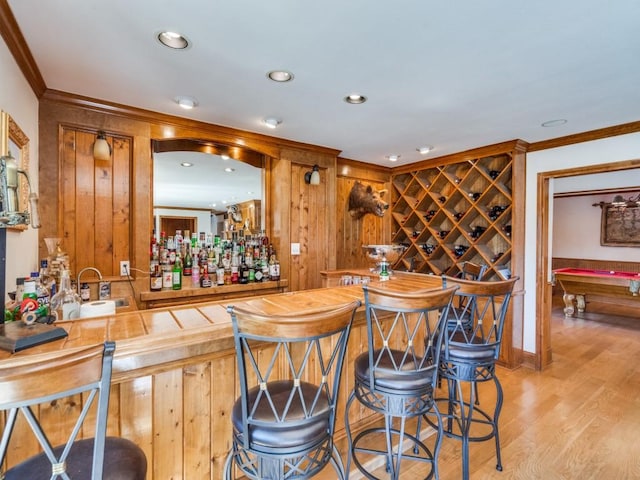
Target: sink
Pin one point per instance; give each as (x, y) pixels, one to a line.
(121, 302)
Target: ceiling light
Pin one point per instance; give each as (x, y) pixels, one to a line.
(424, 150)
(186, 102)
(554, 123)
(224, 157)
(229, 169)
(272, 122)
(392, 158)
(186, 164)
(173, 40)
(280, 76)
(355, 99)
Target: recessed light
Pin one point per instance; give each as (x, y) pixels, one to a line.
(186, 164)
(224, 157)
(187, 103)
(392, 158)
(229, 169)
(280, 76)
(355, 99)
(272, 122)
(173, 40)
(424, 150)
(554, 123)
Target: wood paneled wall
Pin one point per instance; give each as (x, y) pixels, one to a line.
(132, 131)
(95, 202)
(351, 233)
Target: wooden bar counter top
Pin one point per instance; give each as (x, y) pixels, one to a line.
(174, 374)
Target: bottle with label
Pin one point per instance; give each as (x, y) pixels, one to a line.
(176, 277)
(167, 276)
(384, 272)
(243, 271)
(274, 268)
(85, 292)
(205, 280)
(65, 305)
(188, 262)
(156, 279)
(42, 292)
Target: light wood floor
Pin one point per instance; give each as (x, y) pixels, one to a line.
(578, 419)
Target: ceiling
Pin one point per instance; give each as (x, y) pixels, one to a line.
(454, 75)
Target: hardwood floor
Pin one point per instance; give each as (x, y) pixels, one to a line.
(578, 419)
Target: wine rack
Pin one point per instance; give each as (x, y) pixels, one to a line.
(448, 214)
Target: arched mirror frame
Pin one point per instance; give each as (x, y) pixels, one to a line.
(242, 154)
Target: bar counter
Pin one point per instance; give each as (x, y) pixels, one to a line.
(174, 374)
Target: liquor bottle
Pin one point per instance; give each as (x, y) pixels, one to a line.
(176, 271)
(188, 262)
(474, 195)
(196, 274)
(257, 273)
(384, 272)
(243, 271)
(167, 275)
(155, 281)
(274, 268)
(205, 280)
(65, 305)
(85, 292)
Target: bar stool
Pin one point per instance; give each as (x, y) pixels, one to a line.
(469, 356)
(26, 382)
(397, 376)
(283, 426)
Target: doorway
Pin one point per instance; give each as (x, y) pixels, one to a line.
(544, 289)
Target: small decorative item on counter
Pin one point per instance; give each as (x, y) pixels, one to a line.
(384, 272)
(105, 290)
(85, 292)
(65, 305)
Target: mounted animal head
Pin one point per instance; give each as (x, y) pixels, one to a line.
(234, 213)
(365, 199)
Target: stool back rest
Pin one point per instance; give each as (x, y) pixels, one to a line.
(480, 320)
(29, 381)
(472, 271)
(307, 346)
(409, 324)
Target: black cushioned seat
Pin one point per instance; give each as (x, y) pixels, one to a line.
(123, 460)
(301, 431)
(407, 379)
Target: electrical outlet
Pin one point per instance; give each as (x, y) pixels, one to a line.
(125, 268)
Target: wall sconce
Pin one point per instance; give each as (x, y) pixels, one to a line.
(101, 148)
(312, 177)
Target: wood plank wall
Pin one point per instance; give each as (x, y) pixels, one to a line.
(95, 202)
(352, 234)
(131, 132)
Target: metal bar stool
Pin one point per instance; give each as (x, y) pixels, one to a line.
(29, 381)
(470, 352)
(283, 425)
(397, 376)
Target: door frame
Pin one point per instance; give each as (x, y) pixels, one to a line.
(543, 274)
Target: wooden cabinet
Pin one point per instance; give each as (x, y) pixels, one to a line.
(461, 210)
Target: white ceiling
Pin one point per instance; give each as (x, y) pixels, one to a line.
(454, 75)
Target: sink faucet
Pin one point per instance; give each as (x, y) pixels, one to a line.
(84, 270)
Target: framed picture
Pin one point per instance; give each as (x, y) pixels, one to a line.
(620, 226)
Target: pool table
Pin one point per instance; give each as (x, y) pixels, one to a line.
(579, 282)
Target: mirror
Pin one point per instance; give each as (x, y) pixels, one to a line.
(14, 141)
(203, 189)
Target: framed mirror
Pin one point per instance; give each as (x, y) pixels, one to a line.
(14, 141)
(211, 188)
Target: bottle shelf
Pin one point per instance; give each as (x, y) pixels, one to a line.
(446, 215)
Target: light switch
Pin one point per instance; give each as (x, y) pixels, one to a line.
(295, 249)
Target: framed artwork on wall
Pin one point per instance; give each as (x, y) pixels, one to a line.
(620, 226)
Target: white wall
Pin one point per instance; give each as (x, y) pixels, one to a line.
(17, 99)
(614, 149)
(576, 230)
